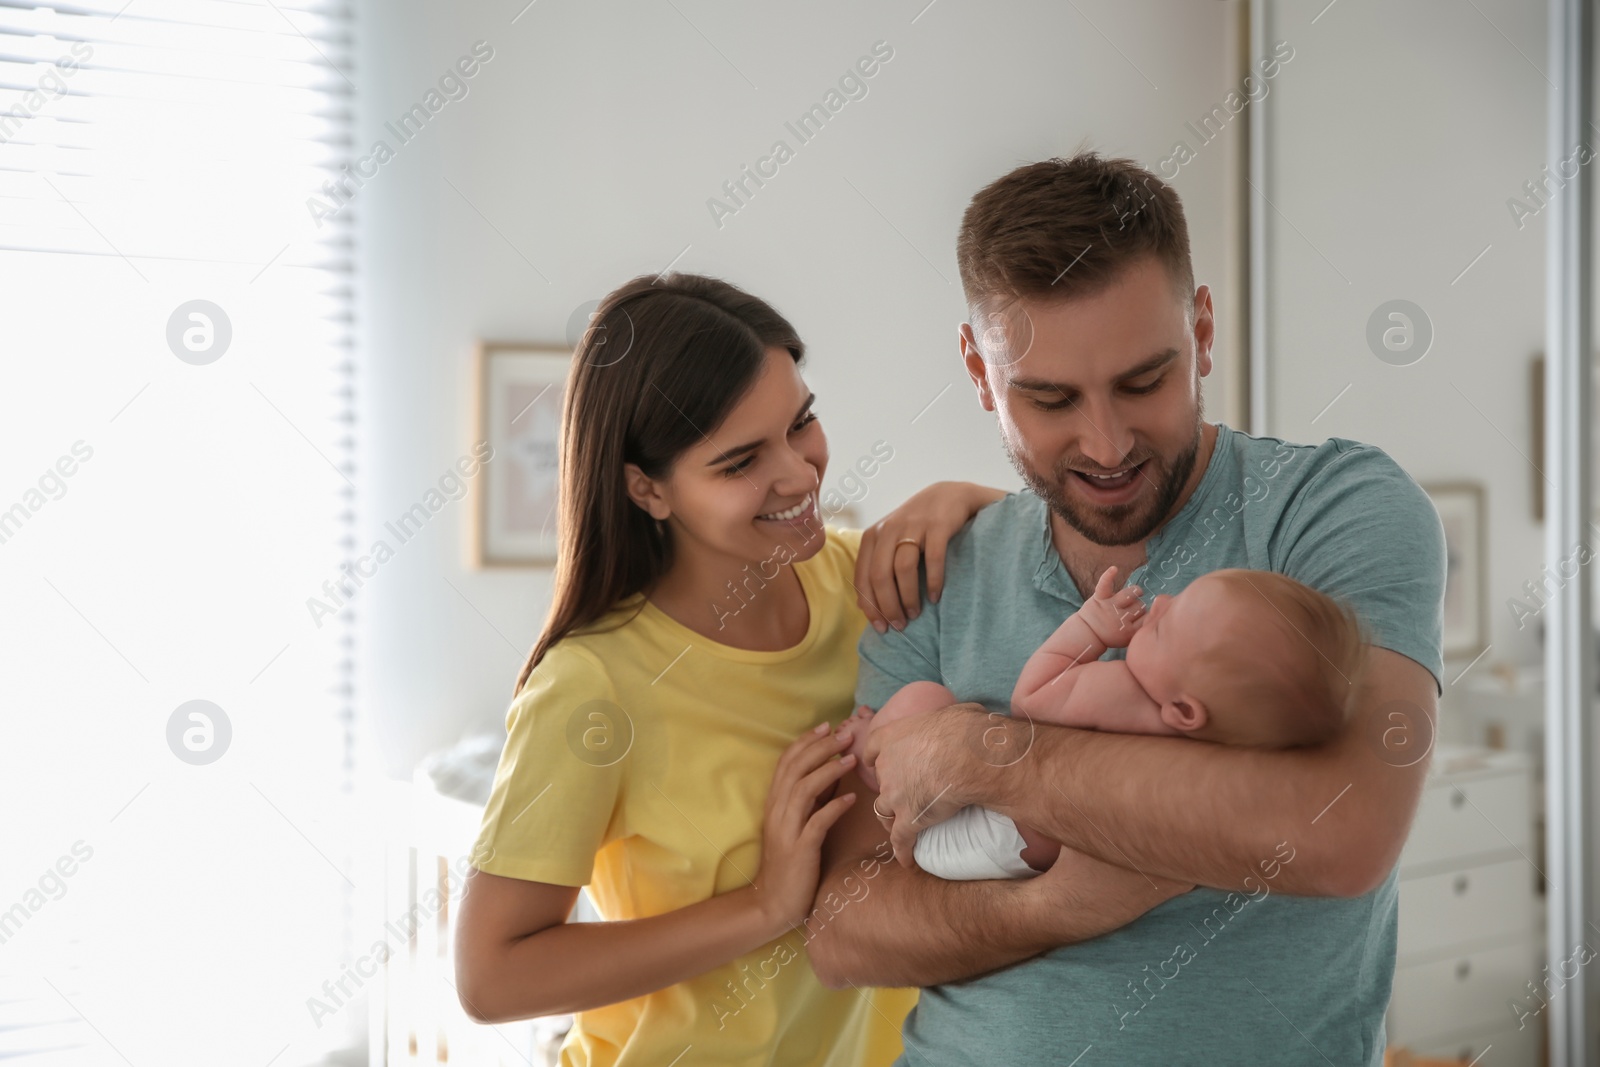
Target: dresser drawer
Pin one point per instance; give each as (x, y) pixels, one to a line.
(1453, 819)
(1465, 993)
(1469, 904)
(1504, 1048)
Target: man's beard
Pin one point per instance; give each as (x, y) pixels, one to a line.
(1119, 524)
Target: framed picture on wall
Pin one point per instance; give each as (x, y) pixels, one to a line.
(1466, 606)
(520, 392)
(1541, 471)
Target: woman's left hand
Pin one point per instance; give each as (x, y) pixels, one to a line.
(917, 531)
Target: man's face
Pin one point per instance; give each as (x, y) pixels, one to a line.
(1098, 398)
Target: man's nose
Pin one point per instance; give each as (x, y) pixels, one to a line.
(1106, 440)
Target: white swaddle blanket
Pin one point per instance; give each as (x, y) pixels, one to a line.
(972, 844)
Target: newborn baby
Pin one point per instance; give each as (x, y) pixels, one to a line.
(1240, 657)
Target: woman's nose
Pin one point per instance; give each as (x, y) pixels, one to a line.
(799, 475)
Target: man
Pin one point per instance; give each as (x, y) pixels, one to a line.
(1217, 904)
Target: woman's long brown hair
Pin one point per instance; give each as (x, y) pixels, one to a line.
(665, 359)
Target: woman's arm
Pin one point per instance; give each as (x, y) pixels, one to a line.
(886, 567)
(517, 957)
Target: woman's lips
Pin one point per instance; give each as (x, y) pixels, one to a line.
(806, 509)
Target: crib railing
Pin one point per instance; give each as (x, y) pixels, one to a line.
(415, 1014)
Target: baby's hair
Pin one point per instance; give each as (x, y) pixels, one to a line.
(1327, 642)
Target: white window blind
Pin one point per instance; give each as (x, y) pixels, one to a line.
(177, 477)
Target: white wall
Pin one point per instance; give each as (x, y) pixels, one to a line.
(1398, 134)
(589, 146)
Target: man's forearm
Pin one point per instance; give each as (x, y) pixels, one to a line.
(910, 928)
(1215, 814)
(1099, 792)
(879, 923)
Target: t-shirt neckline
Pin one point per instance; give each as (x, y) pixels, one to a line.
(751, 655)
(1202, 489)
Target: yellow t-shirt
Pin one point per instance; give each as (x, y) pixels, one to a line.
(637, 763)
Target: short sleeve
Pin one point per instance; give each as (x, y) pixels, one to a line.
(849, 540)
(557, 790)
(1362, 530)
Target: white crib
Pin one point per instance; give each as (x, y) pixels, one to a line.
(415, 1015)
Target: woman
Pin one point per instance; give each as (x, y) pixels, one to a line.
(671, 742)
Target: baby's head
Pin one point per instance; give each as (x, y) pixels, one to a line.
(1250, 658)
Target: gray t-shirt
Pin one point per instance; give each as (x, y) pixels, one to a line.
(1208, 977)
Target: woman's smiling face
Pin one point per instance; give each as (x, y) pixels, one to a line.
(752, 483)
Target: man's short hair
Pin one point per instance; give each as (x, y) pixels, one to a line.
(1064, 228)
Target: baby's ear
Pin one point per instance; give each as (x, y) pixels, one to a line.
(1185, 714)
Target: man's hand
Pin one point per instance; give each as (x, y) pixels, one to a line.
(1113, 614)
(1079, 885)
(904, 927)
(925, 765)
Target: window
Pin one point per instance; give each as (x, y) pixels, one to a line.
(177, 480)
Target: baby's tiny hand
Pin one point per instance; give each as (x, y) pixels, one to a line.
(859, 721)
(1113, 614)
(856, 728)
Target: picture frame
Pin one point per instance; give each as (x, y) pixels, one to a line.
(1536, 480)
(1461, 508)
(520, 392)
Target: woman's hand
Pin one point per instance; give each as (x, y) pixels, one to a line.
(801, 808)
(917, 531)
(518, 958)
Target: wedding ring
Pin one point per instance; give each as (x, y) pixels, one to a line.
(878, 813)
(908, 541)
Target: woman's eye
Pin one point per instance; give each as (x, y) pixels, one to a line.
(807, 420)
(729, 472)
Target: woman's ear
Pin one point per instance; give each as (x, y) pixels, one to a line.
(1185, 714)
(645, 492)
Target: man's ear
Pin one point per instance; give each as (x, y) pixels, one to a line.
(645, 492)
(1205, 329)
(977, 369)
(1185, 714)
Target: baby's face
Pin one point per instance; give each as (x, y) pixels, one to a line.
(1176, 632)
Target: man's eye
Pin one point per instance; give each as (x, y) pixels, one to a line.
(1142, 390)
(1054, 405)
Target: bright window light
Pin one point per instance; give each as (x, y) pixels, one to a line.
(178, 879)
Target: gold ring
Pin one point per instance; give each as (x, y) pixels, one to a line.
(908, 541)
(878, 813)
